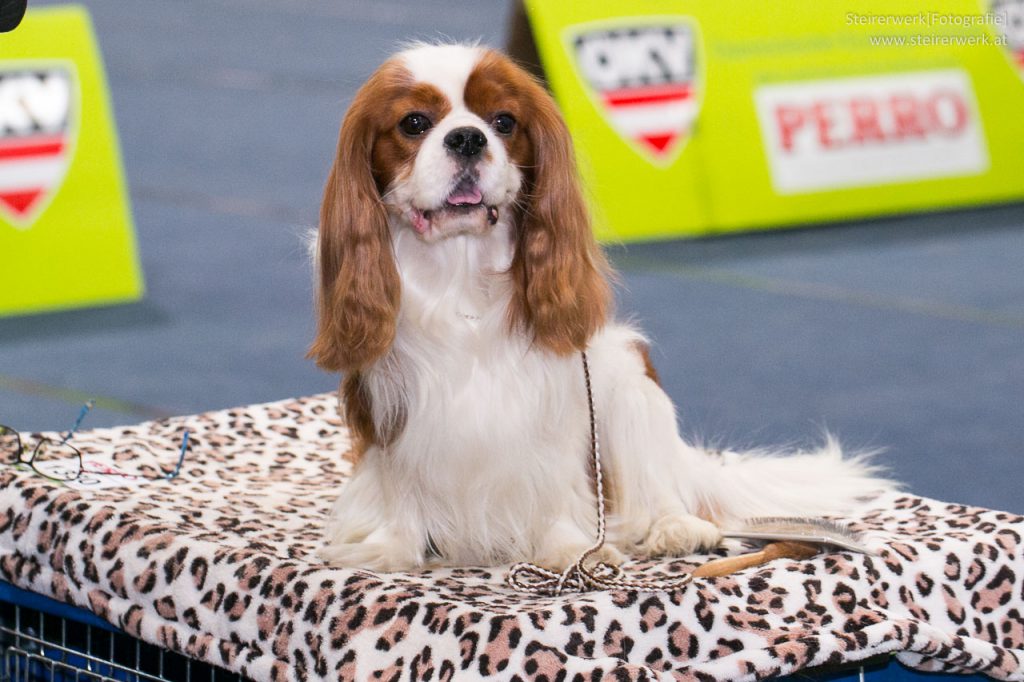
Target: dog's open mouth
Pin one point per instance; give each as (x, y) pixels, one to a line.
(463, 210)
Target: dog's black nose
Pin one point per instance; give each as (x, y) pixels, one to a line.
(467, 141)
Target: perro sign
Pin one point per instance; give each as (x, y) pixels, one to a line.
(854, 132)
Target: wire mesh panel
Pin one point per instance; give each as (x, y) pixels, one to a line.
(42, 647)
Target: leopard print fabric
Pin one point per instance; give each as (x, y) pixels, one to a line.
(218, 564)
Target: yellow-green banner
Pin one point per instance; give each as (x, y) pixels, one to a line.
(66, 237)
(702, 117)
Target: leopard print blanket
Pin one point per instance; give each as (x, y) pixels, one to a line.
(219, 564)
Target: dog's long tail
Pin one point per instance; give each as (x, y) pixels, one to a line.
(654, 472)
(804, 483)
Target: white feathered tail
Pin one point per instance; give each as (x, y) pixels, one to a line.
(655, 475)
(823, 482)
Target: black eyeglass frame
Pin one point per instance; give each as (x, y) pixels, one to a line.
(31, 461)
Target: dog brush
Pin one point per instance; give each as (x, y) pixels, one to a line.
(788, 538)
(800, 529)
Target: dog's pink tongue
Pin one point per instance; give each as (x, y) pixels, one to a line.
(462, 195)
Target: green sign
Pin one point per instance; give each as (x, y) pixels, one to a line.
(703, 117)
(66, 237)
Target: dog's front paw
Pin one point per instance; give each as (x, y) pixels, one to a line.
(679, 535)
(564, 543)
(374, 556)
(559, 558)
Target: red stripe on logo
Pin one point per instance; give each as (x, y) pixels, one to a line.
(1020, 58)
(647, 95)
(21, 201)
(36, 146)
(660, 142)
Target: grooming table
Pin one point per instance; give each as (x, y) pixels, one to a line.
(218, 565)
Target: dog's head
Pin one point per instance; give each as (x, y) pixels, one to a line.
(446, 141)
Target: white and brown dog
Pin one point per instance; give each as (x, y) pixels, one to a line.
(459, 282)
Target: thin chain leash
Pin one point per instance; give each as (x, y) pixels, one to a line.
(579, 577)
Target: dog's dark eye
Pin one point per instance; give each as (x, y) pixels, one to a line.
(415, 124)
(504, 123)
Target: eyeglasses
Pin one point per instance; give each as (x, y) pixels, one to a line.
(58, 460)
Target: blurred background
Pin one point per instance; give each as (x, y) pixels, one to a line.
(902, 332)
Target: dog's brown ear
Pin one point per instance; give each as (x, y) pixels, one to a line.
(559, 270)
(359, 288)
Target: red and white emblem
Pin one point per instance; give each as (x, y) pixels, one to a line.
(35, 124)
(643, 78)
(1010, 15)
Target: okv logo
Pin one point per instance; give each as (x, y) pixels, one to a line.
(36, 108)
(642, 76)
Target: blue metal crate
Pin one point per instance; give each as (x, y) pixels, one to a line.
(43, 640)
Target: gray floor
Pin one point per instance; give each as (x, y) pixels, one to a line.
(903, 334)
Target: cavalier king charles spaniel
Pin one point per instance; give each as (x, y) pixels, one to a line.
(459, 281)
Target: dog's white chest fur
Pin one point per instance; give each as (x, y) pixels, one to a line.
(494, 436)
(491, 442)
